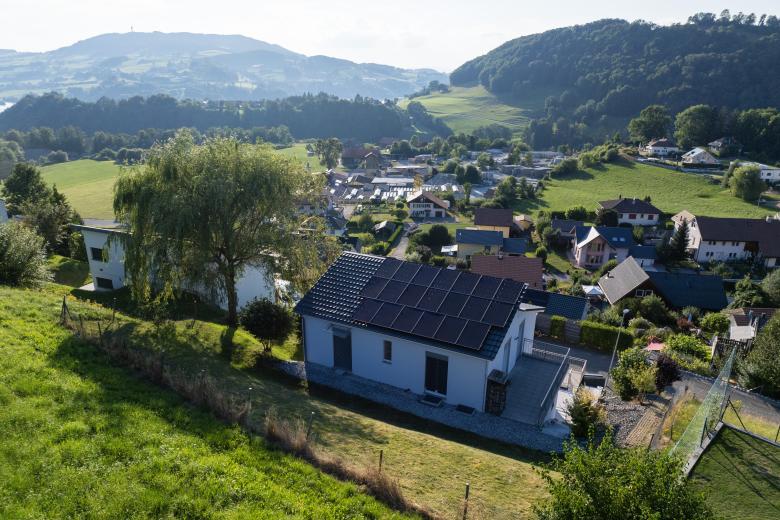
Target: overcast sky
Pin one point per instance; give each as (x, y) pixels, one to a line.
(426, 33)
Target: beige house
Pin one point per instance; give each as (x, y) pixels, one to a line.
(492, 219)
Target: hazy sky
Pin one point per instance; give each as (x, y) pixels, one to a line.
(424, 33)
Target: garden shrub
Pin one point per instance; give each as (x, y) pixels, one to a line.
(585, 412)
(602, 336)
(557, 326)
(667, 371)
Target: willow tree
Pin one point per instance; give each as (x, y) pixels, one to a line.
(199, 215)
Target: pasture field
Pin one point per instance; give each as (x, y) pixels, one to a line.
(669, 190)
(741, 476)
(432, 463)
(464, 109)
(88, 185)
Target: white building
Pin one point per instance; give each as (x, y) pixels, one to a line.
(107, 265)
(661, 147)
(769, 174)
(430, 334)
(700, 157)
(424, 204)
(636, 212)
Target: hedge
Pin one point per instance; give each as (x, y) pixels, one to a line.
(557, 326)
(602, 337)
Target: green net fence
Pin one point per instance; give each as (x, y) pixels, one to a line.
(707, 416)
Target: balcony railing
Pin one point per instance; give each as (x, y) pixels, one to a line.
(570, 369)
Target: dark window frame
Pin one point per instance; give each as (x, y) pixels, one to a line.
(387, 351)
(97, 254)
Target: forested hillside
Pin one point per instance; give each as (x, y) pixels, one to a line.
(613, 68)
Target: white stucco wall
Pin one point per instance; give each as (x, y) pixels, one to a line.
(114, 268)
(720, 250)
(640, 219)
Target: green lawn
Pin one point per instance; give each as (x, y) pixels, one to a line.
(741, 476)
(87, 184)
(465, 108)
(670, 191)
(432, 463)
(82, 438)
(70, 272)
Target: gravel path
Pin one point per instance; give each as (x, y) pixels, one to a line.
(484, 424)
(623, 416)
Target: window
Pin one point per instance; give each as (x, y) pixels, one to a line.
(632, 216)
(97, 254)
(735, 243)
(651, 216)
(436, 368)
(641, 293)
(387, 354)
(104, 283)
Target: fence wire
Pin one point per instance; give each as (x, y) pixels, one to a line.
(708, 415)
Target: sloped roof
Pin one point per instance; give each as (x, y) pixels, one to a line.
(618, 237)
(565, 225)
(482, 237)
(684, 289)
(520, 268)
(556, 304)
(662, 143)
(646, 252)
(765, 232)
(430, 197)
(515, 246)
(347, 289)
(493, 217)
(622, 280)
(630, 206)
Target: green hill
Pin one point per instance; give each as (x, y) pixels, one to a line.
(87, 184)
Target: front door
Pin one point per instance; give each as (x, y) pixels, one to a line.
(436, 368)
(342, 349)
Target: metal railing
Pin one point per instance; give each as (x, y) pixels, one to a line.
(568, 365)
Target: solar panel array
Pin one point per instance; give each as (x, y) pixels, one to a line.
(456, 307)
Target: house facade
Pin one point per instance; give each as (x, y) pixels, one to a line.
(699, 157)
(411, 334)
(494, 219)
(661, 147)
(769, 174)
(472, 242)
(636, 212)
(425, 204)
(106, 257)
(595, 246)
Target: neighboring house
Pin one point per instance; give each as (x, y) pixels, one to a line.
(729, 239)
(494, 219)
(746, 322)
(700, 157)
(725, 146)
(566, 228)
(645, 256)
(678, 290)
(661, 147)
(556, 304)
(595, 246)
(424, 204)
(769, 174)
(514, 246)
(518, 268)
(472, 242)
(107, 265)
(384, 229)
(636, 212)
(523, 222)
(3, 212)
(384, 183)
(432, 331)
(354, 157)
(372, 161)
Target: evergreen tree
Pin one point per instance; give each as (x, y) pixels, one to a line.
(678, 246)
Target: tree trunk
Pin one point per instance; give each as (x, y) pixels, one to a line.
(232, 295)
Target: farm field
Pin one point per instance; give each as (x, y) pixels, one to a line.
(670, 191)
(85, 439)
(431, 463)
(88, 185)
(741, 476)
(464, 109)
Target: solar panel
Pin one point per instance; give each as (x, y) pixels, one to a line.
(407, 319)
(445, 279)
(406, 272)
(486, 287)
(509, 291)
(412, 295)
(428, 324)
(453, 303)
(473, 335)
(392, 291)
(475, 308)
(498, 313)
(386, 314)
(374, 287)
(431, 300)
(425, 275)
(388, 267)
(366, 310)
(450, 329)
(466, 282)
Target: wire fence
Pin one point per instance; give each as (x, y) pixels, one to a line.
(710, 412)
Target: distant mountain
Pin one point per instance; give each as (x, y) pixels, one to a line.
(613, 68)
(196, 66)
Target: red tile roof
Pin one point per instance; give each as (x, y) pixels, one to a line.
(519, 268)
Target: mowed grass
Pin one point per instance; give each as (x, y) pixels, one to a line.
(464, 109)
(741, 476)
(670, 191)
(82, 438)
(432, 463)
(88, 185)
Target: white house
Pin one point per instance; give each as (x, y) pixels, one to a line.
(3, 212)
(636, 212)
(435, 332)
(595, 246)
(661, 147)
(700, 157)
(425, 204)
(107, 265)
(769, 174)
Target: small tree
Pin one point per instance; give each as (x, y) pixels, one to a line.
(771, 287)
(268, 322)
(761, 367)
(715, 323)
(746, 183)
(585, 413)
(577, 213)
(748, 294)
(606, 217)
(666, 372)
(678, 245)
(24, 185)
(22, 256)
(631, 360)
(541, 252)
(365, 223)
(643, 380)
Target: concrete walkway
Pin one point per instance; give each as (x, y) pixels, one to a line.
(529, 382)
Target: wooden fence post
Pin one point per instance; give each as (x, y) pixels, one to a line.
(311, 423)
(381, 456)
(466, 501)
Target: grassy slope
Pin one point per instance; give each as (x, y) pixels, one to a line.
(432, 463)
(82, 438)
(670, 191)
(741, 476)
(465, 108)
(88, 185)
